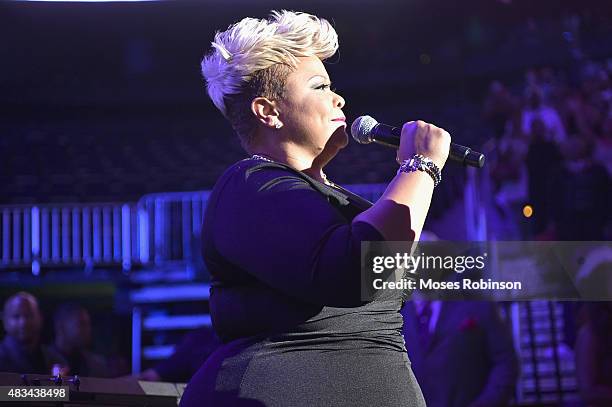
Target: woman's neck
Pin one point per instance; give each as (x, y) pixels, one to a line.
(293, 156)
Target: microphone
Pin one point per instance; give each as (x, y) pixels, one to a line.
(365, 130)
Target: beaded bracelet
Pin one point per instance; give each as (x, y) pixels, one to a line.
(419, 162)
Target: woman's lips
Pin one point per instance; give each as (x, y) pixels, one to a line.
(339, 119)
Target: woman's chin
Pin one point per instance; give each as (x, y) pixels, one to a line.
(337, 141)
(339, 138)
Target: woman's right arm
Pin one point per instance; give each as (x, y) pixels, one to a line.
(400, 212)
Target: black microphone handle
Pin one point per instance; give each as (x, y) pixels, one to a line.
(390, 137)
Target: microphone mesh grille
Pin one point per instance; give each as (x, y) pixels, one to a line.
(361, 129)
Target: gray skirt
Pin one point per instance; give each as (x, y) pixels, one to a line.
(253, 373)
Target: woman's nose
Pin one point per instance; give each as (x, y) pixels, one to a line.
(339, 101)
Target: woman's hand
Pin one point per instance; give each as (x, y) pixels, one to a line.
(400, 212)
(419, 137)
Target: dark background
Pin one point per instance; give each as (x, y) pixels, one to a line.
(105, 101)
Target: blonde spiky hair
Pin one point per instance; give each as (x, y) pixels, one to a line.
(252, 46)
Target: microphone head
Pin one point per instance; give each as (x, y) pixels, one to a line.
(361, 129)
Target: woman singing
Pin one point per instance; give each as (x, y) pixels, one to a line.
(282, 242)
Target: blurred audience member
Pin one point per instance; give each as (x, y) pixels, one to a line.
(603, 144)
(462, 353)
(583, 118)
(536, 108)
(582, 194)
(543, 162)
(189, 355)
(594, 355)
(549, 84)
(21, 351)
(72, 342)
(499, 108)
(509, 173)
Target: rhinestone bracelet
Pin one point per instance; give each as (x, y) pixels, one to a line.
(419, 162)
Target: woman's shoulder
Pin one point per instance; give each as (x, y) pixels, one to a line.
(259, 176)
(253, 177)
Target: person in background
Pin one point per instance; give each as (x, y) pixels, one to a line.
(603, 144)
(536, 108)
(541, 150)
(72, 341)
(581, 194)
(499, 108)
(21, 350)
(594, 355)
(462, 353)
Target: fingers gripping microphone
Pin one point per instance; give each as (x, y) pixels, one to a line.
(366, 130)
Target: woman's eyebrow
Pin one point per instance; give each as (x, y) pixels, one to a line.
(325, 78)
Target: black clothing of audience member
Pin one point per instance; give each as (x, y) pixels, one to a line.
(594, 355)
(543, 163)
(73, 337)
(499, 108)
(16, 358)
(20, 350)
(469, 357)
(581, 196)
(87, 364)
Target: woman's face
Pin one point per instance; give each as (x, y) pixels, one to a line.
(311, 113)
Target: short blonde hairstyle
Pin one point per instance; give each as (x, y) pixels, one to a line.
(253, 57)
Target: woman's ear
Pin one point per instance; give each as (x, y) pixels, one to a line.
(266, 112)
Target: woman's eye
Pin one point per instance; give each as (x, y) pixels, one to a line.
(323, 86)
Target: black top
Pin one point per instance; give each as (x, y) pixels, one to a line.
(15, 358)
(285, 298)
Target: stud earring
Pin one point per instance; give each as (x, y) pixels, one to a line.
(277, 124)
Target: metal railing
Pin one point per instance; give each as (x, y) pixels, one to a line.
(173, 222)
(69, 235)
(158, 229)
(172, 225)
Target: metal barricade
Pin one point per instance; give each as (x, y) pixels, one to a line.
(69, 235)
(171, 222)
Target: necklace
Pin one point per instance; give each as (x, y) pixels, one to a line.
(328, 182)
(262, 158)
